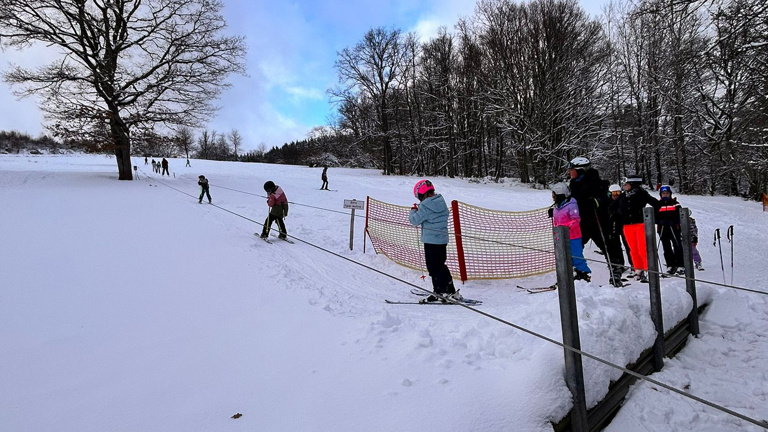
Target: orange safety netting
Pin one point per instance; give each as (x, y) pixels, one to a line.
(484, 243)
(393, 235)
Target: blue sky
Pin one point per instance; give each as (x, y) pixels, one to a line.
(292, 46)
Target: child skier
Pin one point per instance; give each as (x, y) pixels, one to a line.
(278, 209)
(630, 207)
(668, 227)
(694, 243)
(617, 227)
(204, 188)
(432, 215)
(566, 213)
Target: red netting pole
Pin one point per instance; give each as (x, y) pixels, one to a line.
(459, 241)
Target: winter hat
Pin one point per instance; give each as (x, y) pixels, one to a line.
(201, 176)
(614, 188)
(560, 189)
(269, 186)
(421, 188)
(579, 163)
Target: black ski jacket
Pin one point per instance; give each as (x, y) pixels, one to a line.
(631, 204)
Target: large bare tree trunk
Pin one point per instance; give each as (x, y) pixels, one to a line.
(122, 149)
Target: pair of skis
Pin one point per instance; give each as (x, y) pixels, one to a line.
(270, 241)
(465, 301)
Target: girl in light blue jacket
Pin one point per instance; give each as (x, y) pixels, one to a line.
(432, 215)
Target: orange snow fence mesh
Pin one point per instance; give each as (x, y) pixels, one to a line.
(484, 243)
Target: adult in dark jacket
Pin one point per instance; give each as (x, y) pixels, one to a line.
(591, 194)
(324, 178)
(631, 205)
(668, 227)
(164, 163)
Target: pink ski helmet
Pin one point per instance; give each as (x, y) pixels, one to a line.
(421, 188)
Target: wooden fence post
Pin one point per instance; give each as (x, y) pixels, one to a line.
(690, 282)
(654, 286)
(574, 373)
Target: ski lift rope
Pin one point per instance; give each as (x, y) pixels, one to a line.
(763, 424)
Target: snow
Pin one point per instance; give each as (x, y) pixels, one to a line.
(128, 306)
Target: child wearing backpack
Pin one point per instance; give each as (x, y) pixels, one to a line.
(278, 209)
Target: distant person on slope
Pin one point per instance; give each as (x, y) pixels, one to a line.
(164, 163)
(566, 213)
(432, 216)
(324, 177)
(204, 188)
(278, 209)
(154, 166)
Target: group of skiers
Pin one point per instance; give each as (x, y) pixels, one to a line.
(612, 215)
(156, 166)
(587, 205)
(276, 200)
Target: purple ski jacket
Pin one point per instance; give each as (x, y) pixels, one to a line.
(567, 214)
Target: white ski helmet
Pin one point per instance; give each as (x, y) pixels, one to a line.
(614, 188)
(579, 163)
(560, 189)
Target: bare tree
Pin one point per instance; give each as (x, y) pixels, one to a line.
(237, 141)
(370, 69)
(185, 140)
(126, 63)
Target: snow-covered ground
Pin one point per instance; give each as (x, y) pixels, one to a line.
(128, 306)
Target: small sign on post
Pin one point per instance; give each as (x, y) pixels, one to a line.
(354, 205)
(136, 171)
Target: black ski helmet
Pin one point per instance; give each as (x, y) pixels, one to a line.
(269, 186)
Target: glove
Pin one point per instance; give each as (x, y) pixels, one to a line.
(550, 212)
(695, 240)
(415, 207)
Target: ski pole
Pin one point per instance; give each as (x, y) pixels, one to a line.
(716, 242)
(729, 236)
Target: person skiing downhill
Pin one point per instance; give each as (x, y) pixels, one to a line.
(278, 209)
(566, 213)
(432, 215)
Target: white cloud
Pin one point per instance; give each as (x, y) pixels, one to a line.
(305, 93)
